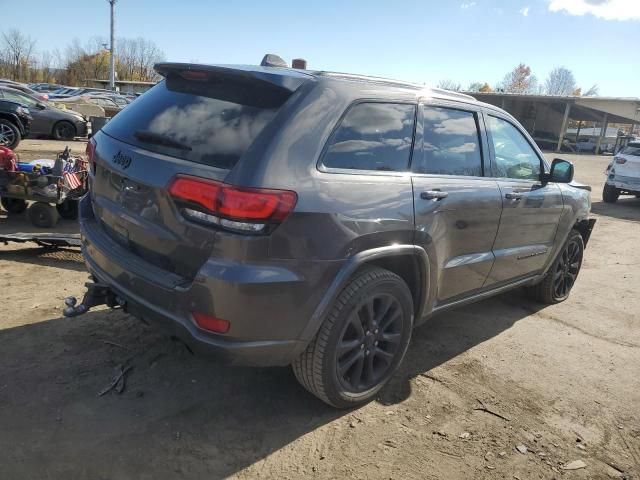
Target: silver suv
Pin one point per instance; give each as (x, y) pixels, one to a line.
(273, 216)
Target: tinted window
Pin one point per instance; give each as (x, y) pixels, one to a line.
(451, 143)
(631, 149)
(212, 122)
(373, 136)
(19, 98)
(515, 157)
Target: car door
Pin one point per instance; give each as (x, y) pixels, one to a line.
(39, 124)
(457, 209)
(531, 209)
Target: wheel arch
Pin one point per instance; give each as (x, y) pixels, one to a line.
(409, 262)
(13, 119)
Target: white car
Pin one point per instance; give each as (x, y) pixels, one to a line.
(623, 174)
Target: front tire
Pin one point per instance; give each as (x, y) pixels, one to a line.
(361, 342)
(9, 134)
(556, 286)
(610, 194)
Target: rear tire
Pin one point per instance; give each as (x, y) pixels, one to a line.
(9, 134)
(43, 215)
(13, 205)
(361, 342)
(64, 130)
(610, 194)
(68, 209)
(556, 286)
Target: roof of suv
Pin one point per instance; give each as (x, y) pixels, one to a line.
(292, 78)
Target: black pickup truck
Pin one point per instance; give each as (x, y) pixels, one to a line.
(15, 121)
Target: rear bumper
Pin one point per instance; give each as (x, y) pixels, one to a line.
(268, 306)
(624, 183)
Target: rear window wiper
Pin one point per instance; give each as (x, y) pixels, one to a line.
(159, 139)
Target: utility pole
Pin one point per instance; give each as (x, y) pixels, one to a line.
(112, 67)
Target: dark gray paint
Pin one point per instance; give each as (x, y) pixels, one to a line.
(275, 290)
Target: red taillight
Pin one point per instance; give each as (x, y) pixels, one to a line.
(194, 75)
(232, 207)
(213, 324)
(91, 149)
(90, 152)
(621, 160)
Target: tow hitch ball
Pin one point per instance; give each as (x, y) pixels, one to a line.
(96, 294)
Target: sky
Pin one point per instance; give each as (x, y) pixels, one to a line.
(420, 41)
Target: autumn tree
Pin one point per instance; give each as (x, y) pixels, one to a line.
(593, 91)
(560, 82)
(482, 87)
(520, 80)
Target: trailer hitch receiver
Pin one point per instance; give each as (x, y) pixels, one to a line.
(97, 294)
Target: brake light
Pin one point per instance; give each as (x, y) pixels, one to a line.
(252, 210)
(194, 75)
(213, 324)
(90, 152)
(620, 160)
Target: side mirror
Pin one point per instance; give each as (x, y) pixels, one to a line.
(561, 171)
(40, 106)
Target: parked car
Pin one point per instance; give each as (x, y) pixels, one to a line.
(15, 120)
(44, 87)
(24, 89)
(272, 216)
(47, 119)
(586, 144)
(623, 174)
(111, 108)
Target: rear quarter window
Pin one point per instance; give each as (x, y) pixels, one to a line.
(212, 123)
(373, 136)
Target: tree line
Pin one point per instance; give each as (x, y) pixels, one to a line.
(521, 79)
(20, 60)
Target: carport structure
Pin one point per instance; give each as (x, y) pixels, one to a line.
(549, 115)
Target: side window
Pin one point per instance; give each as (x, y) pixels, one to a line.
(373, 136)
(451, 143)
(515, 158)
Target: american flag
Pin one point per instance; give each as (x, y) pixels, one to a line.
(70, 176)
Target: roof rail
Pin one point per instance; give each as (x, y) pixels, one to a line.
(451, 93)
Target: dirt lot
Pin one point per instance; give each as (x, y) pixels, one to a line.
(564, 380)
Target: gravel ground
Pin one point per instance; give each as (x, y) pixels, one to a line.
(560, 384)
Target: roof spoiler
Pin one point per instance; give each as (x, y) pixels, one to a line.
(286, 79)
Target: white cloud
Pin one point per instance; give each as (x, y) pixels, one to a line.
(466, 5)
(605, 9)
(524, 11)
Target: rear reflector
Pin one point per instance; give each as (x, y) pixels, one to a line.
(213, 324)
(90, 152)
(249, 210)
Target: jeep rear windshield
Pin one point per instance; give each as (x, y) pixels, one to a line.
(212, 122)
(632, 149)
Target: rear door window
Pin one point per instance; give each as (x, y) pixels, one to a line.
(451, 143)
(212, 122)
(373, 136)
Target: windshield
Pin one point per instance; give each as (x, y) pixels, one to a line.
(212, 123)
(633, 150)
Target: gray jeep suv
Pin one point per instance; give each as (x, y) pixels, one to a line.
(273, 216)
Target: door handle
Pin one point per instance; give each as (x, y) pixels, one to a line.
(513, 196)
(433, 195)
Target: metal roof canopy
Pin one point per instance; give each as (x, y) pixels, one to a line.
(619, 109)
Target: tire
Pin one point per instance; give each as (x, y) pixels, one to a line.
(372, 346)
(64, 130)
(565, 268)
(43, 215)
(610, 194)
(68, 209)
(13, 205)
(9, 134)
